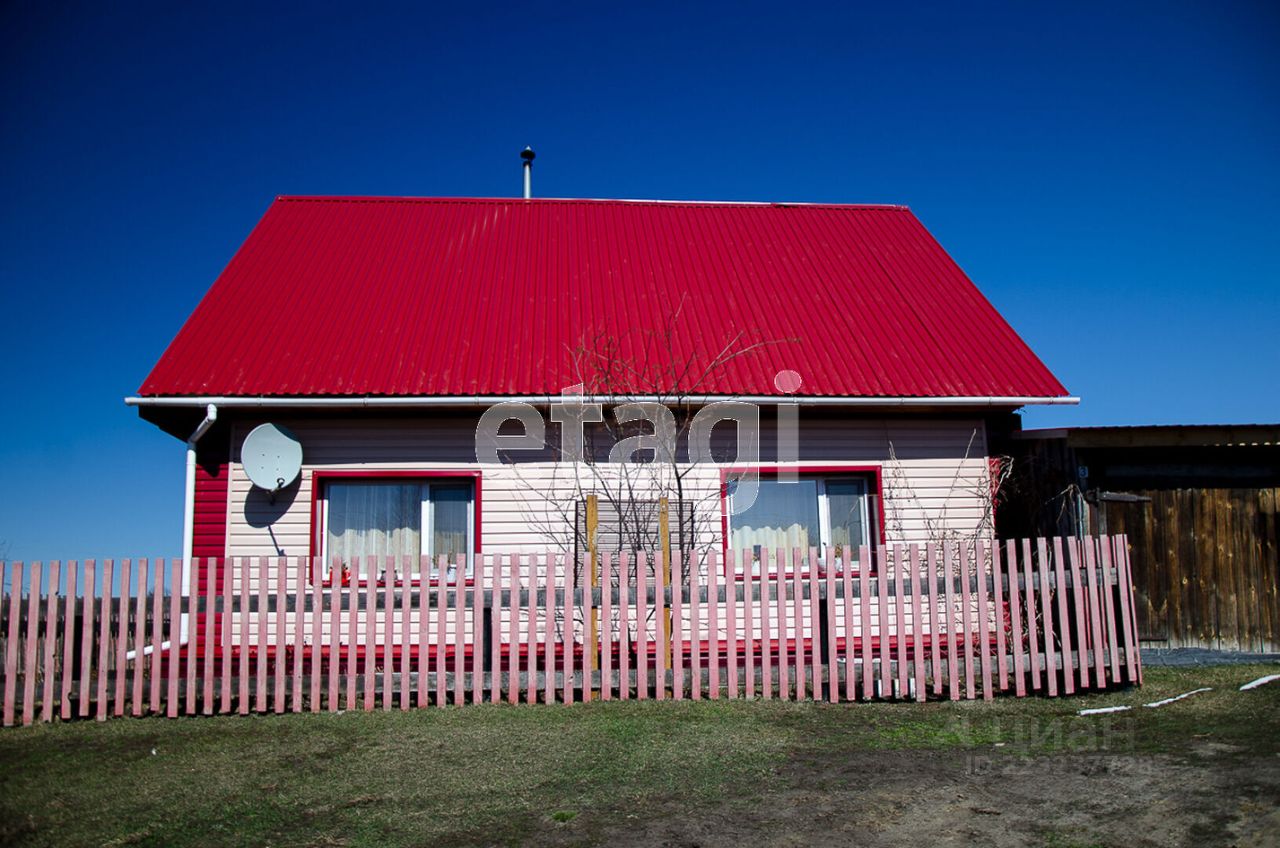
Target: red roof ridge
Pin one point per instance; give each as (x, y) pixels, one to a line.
(323, 198)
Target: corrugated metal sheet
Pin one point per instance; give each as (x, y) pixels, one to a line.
(451, 297)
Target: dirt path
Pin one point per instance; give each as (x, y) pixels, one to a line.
(913, 798)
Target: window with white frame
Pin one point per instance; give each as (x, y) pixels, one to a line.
(830, 513)
(399, 518)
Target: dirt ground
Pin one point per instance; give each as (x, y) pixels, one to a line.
(1219, 796)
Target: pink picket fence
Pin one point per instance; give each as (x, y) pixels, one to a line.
(947, 620)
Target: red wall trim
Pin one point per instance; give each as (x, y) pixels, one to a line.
(209, 540)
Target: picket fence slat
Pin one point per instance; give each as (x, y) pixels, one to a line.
(1064, 621)
(1046, 617)
(122, 635)
(51, 644)
(68, 642)
(275, 634)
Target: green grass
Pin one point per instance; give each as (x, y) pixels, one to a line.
(497, 773)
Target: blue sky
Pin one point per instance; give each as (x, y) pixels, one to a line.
(1108, 176)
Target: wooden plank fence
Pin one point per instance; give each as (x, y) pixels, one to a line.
(962, 621)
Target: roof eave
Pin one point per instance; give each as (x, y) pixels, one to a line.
(428, 401)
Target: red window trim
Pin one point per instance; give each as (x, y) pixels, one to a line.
(873, 471)
(318, 479)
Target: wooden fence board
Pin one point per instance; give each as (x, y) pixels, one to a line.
(762, 614)
(567, 630)
(29, 670)
(713, 627)
(833, 608)
(531, 694)
(122, 636)
(387, 642)
(260, 645)
(1046, 617)
(935, 618)
(731, 628)
(1095, 615)
(242, 701)
(948, 569)
(624, 626)
(984, 618)
(966, 621)
(864, 610)
(51, 643)
(364, 639)
(88, 627)
(695, 628)
(309, 584)
(1109, 619)
(797, 609)
(549, 636)
(11, 644)
(850, 646)
(917, 621)
(1064, 622)
(606, 630)
(821, 619)
(495, 643)
(642, 626)
(69, 639)
(784, 662)
(664, 640)
(1077, 592)
(278, 655)
(1001, 613)
(1029, 594)
(224, 634)
(169, 664)
(677, 624)
(899, 619)
(104, 638)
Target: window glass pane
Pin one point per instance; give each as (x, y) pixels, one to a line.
(451, 530)
(373, 519)
(845, 500)
(784, 515)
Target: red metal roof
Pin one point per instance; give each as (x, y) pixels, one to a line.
(456, 297)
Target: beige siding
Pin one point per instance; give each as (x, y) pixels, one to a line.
(934, 475)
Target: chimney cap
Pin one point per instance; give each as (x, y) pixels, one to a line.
(527, 154)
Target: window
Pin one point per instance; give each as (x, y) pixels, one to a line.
(634, 525)
(831, 513)
(365, 518)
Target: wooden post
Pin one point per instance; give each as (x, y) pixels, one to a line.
(664, 537)
(589, 660)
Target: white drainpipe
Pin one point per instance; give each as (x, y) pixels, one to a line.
(189, 509)
(188, 526)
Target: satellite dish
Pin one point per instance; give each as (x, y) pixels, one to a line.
(272, 457)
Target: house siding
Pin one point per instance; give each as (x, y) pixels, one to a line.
(934, 477)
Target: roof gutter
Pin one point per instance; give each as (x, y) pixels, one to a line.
(456, 401)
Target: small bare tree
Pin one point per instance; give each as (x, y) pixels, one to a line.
(661, 368)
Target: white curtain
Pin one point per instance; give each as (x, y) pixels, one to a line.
(784, 515)
(373, 519)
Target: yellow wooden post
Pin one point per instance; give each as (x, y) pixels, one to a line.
(589, 650)
(664, 534)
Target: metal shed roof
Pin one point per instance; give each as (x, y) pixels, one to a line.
(449, 297)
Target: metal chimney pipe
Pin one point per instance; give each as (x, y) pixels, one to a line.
(527, 155)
